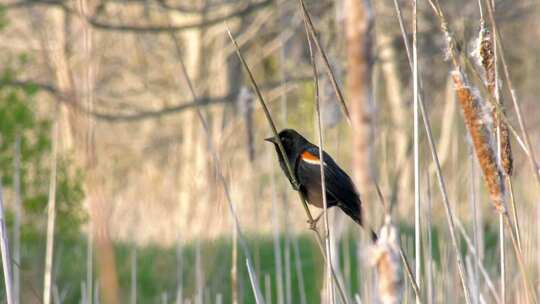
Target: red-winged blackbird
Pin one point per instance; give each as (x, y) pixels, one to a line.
(304, 160)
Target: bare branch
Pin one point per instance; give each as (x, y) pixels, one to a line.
(98, 24)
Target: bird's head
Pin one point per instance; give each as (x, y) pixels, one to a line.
(292, 141)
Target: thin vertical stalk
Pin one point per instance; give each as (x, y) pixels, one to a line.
(471, 274)
(51, 215)
(417, 228)
(164, 298)
(503, 257)
(283, 24)
(199, 274)
(234, 268)
(4, 247)
(267, 288)
(254, 286)
(435, 158)
(180, 271)
(330, 285)
(17, 224)
(133, 290)
(278, 261)
(89, 265)
(474, 207)
(331, 76)
(97, 292)
(288, 278)
(429, 245)
(483, 271)
(493, 87)
(299, 273)
(84, 299)
(514, 210)
(282, 19)
(347, 264)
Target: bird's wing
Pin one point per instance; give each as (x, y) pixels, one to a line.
(338, 183)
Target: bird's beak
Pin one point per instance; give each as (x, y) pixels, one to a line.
(271, 139)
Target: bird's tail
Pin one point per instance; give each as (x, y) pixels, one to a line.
(355, 213)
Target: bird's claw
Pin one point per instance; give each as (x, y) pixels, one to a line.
(295, 185)
(312, 224)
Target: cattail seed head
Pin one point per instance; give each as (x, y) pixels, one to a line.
(486, 53)
(385, 257)
(475, 115)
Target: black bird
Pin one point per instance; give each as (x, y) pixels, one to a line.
(304, 160)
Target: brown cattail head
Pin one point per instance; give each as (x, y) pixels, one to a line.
(478, 121)
(385, 256)
(487, 59)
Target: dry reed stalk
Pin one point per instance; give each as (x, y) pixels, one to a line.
(416, 138)
(179, 270)
(4, 248)
(287, 258)
(133, 289)
(478, 125)
(254, 286)
(429, 245)
(331, 76)
(219, 298)
(299, 273)
(327, 243)
(89, 264)
(267, 288)
(478, 259)
(17, 223)
(278, 259)
(234, 267)
(385, 257)
(51, 215)
(473, 203)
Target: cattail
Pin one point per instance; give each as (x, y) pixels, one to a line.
(487, 60)
(385, 257)
(478, 120)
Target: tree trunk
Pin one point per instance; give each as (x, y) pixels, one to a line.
(82, 139)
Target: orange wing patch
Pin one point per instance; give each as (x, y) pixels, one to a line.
(310, 158)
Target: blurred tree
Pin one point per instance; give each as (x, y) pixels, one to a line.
(24, 168)
(358, 74)
(18, 120)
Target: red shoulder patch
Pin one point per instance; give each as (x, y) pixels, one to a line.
(310, 158)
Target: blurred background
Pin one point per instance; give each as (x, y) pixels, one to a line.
(95, 109)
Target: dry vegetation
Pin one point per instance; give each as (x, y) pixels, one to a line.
(160, 120)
